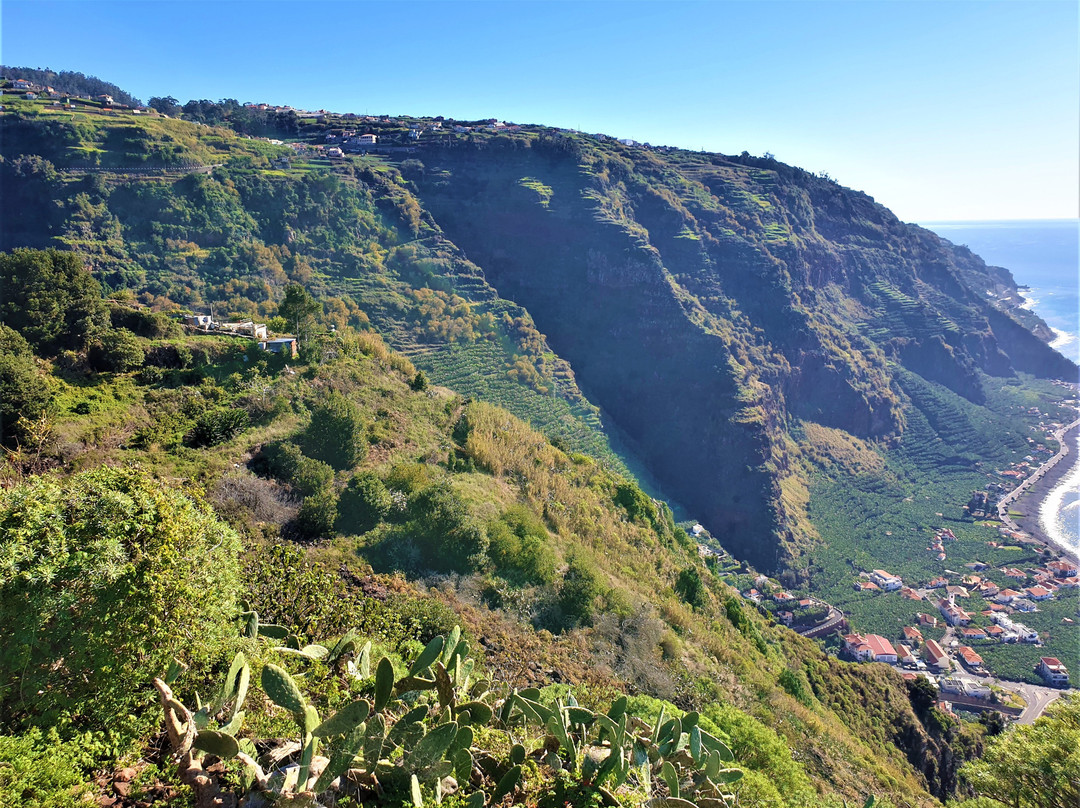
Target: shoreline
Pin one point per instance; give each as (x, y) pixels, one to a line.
(1029, 502)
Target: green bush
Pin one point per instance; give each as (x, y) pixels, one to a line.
(364, 503)
(105, 577)
(338, 432)
(578, 593)
(39, 770)
(518, 546)
(318, 514)
(449, 537)
(217, 426)
(117, 351)
(23, 391)
(689, 587)
(285, 461)
(635, 502)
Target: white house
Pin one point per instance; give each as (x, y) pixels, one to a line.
(886, 580)
(872, 647)
(1053, 672)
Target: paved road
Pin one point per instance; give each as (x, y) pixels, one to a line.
(1008, 499)
(1038, 697)
(835, 618)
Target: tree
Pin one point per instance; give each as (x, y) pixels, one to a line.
(337, 433)
(50, 298)
(1036, 766)
(118, 351)
(300, 310)
(166, 106)
(364, 503)
(23, 391)
(105, 577)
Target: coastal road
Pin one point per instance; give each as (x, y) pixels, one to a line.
(1038, 474)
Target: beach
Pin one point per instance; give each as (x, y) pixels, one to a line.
(1030, 502)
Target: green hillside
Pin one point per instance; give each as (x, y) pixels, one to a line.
(818, 384)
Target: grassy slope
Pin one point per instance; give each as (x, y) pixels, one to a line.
(644, 636)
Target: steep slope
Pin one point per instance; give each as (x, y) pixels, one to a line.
(731, 296)
(560, 570)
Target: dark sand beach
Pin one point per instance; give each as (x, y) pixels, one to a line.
(1029, 503)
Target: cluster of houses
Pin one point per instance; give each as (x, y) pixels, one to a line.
(250, 329)
(937, 544)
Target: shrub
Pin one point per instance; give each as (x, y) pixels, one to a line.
(518, 545)
(689, 587)
(23, 391)
(104, 578)
(364, 503)
(217, 426)
(285, 461)
(338, 433)
(117, 351)
(419, 382)
(635, 502)
(579, 591)
(318, 514)
(39, 769)
(451, 539)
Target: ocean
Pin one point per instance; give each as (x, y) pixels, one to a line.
(1043, 255)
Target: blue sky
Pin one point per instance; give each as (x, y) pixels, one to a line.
(940, 110)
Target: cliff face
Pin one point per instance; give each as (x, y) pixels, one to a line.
(706, 302)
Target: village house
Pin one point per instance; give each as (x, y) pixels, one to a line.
(869, 648)
(971, 660)
(953, 614)
(988, 589)
(1062, 569)
(1024, 605)
(937, 583)
(785, 617)
(1053, 672)
(957, 592)
(904, 655)
(1038, 593)
(963, 687)
(866, 586)
(927, 620)
(1006, 596)
(973, 633)
(22, 84)
(935, 657)
(912, 635)
(886, 580)
(281, 345)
